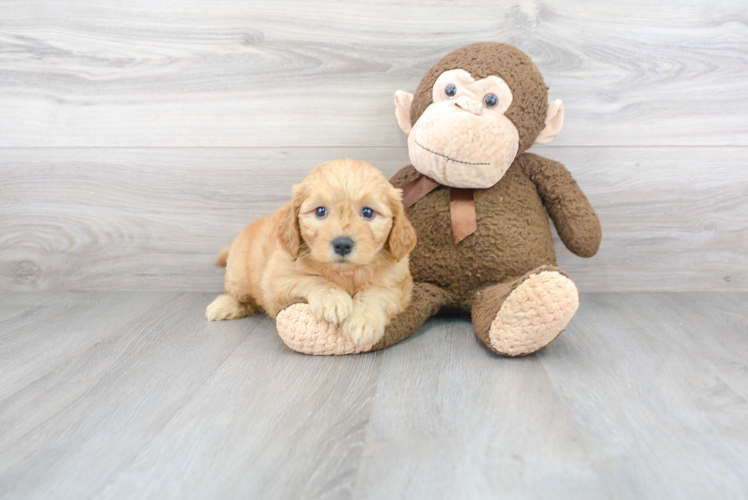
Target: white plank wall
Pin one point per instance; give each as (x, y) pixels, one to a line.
(137, 138)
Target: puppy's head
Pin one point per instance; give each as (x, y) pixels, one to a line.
(346, 214)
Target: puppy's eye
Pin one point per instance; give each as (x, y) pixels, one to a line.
(450, 90)
(490, 100)
(321, 212)
(367, 213)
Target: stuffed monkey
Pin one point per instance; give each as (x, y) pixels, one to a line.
(480, 205)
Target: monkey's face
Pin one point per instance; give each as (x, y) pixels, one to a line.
(463, 138)
(465, 132)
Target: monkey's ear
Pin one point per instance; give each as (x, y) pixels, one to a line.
(553, 122)
(403, 100)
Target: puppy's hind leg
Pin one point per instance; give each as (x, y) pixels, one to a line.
(227, 307)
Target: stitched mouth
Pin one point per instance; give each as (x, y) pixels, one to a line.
(447, 157)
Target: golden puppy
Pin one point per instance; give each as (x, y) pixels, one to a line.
(341, 243)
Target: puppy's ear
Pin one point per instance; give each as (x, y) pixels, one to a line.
(289, 234)
(402, 238)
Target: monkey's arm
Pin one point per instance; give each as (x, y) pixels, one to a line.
(574, 218)
(403, 176)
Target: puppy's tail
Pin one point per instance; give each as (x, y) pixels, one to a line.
(223, 256)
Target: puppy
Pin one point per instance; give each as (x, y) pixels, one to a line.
(341, 243)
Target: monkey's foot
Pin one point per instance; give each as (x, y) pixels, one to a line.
(303, 332)
(534, 314)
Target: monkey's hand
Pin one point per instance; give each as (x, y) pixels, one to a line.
(571, 213)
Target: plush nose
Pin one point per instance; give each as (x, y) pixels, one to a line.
(342, 245)
(470, 105)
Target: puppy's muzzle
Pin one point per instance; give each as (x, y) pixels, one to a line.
(342, 245)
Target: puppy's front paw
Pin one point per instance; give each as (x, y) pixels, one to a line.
(333, 305)
(365, 325)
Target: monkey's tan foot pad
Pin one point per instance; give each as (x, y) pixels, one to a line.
(303, 332)
(534, 314)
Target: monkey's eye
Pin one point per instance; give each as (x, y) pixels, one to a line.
(450, 90)
(490, 100)
(367, 213)
(321, 212)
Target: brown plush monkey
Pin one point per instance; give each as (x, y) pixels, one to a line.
(478, 203)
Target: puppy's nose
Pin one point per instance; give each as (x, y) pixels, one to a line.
(342, 245)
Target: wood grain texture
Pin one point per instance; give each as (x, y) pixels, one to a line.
(270, 423)
(643, 396)
(127, 386)
(170, 386)
(727, 354)
(323, 73)
(153, 219)
(662, 415)
(455, 420)
(29, 348)
(673, 219)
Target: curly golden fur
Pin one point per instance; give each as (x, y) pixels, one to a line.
(290, 255)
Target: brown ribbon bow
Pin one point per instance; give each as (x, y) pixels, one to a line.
(461, 204)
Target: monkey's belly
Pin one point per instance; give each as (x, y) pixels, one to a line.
(513, 237)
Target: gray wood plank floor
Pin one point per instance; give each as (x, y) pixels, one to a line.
(135, 395)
